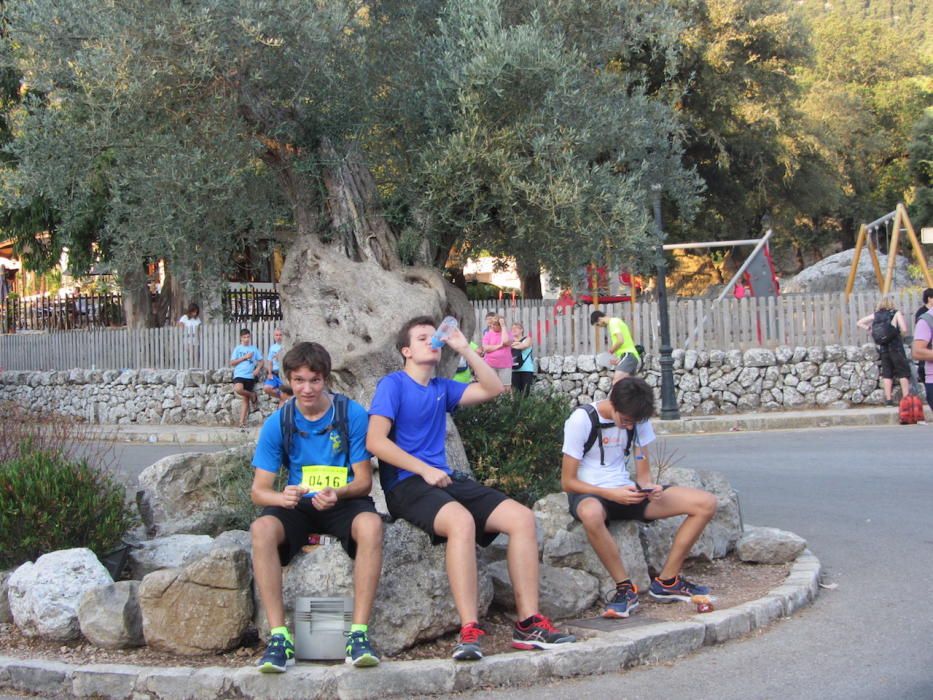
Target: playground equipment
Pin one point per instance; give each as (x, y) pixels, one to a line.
(757, 272)
(868, 232)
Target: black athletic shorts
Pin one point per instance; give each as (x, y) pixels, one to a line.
(614, 511)
(418, 503)
(248, 384)
(894, 363)
(304, 519)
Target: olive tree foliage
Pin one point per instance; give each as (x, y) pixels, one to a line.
(208, 120)
(539, 138)
(525, 132)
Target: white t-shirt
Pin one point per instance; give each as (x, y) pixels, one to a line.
(615, 471)
(190, 324)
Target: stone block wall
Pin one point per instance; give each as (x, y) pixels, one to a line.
(723, 382)
(708, 383)
(145, 396)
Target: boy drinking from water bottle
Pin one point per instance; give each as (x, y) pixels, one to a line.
(407, 431)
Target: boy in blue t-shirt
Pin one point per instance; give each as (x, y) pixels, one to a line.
(327, 493)
(272, 387)
(246, 360)
(407, 429)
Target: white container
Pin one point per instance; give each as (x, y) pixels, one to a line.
(321, 627)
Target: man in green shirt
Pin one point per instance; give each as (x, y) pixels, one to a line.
(621, 346)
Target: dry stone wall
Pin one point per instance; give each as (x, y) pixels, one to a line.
(708, 382)
(722, 382)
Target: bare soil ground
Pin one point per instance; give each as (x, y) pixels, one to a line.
(733, 583)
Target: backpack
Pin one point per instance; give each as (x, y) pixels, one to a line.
(910, 410)
(519, 356)
(596, 426)
(341, 424)
(883, 332)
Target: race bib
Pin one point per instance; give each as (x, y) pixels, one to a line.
(316, 477)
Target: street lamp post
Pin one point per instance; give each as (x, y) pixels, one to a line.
(669, 410)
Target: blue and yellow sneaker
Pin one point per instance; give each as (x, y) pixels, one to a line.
(680, 589)
(359, 651)
(623, 602)
(280, 654)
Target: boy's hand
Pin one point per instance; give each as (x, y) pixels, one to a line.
(436, 477)
(456, 341)
(625, 495)
(652, 491)
(292, 494)
(248, 356)
(324, 499)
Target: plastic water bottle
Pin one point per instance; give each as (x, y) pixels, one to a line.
(448, 326)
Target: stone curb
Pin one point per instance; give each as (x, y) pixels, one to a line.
(604, 653)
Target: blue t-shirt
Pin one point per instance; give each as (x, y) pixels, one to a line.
(273, 355)
(419, 420)
(244, 370)
(318, 445)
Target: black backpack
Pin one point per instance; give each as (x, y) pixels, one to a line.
(596, 427)
(883, 332)
(341, 424)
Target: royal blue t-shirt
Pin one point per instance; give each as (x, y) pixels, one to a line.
(318, 445)
(419, 420)
(244, 370)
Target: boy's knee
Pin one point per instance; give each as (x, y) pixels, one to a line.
(708, 505)
(264, 532)
(368, 528)
(591, 513)
(457, 523)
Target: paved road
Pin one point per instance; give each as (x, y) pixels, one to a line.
(863, 499)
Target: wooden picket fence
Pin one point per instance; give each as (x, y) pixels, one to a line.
(127, 348)
(804, 319)
(807, 320)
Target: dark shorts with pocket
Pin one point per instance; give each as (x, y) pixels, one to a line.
(418, 503)
(894, 363)
(614, 511)
(248, 384)
(304, 519)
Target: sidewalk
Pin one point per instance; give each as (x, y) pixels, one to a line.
(739, 422)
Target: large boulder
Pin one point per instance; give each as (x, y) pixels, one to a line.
(109, 616)
(831, 274)
(169, 552)
(719, 536)
(44, 596)
(571, 548)
(562, 592)
(193, 492)
(204, 608)
(769, 545)
(413, 600)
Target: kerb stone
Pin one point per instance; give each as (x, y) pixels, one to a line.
(44, 677)
(300, 683)
(723, 625)
(664, 641)
(104, 680)
(402, 680)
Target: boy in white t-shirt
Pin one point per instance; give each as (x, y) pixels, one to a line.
(595, 475)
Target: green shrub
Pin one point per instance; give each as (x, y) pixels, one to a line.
(50, 502)
(514, 443)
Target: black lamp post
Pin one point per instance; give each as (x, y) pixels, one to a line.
(669, 410)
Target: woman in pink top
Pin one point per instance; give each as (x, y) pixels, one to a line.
(497, 346)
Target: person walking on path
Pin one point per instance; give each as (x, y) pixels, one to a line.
(523, 361)
(329, 497)
(497, 350)
(922, 347)
(407, 432)
(621, 345)
(887, 328)
(600, 441)
(246, 360)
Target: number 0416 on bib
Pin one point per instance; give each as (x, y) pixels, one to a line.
(317, 477)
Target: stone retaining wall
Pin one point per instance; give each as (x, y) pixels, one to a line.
(708, 382)
(120, 397)
(718, 382)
